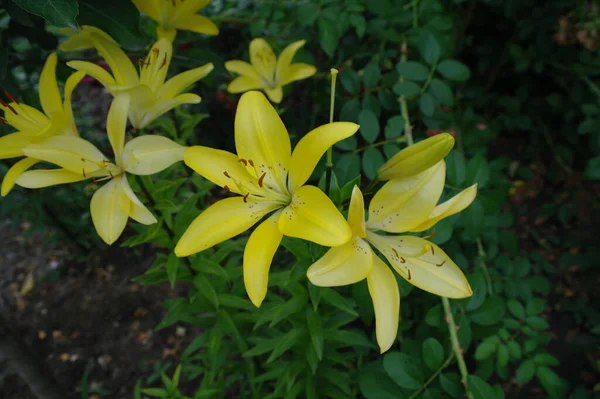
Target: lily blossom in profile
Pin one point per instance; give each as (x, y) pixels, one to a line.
(114, 202)
(265, 71)
(34, 126)
(401, 205)
(269, 179)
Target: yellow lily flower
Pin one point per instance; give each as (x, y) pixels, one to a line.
(115, 202)
(151, 96)
(401, 205)
(269, 178)
(266, 72)
(173, 15)
(34, 126)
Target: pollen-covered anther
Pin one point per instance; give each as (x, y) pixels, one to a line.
(156, 51)
(260, 180)
(243, 161)
(246, 197)
(164, 62)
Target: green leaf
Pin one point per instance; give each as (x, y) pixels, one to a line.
(525, 372)
(406, 89)
(172, 266)
(545, 359)
(479, 388)
(412, 70)
(349, 338)
(359, 23)
(404, 370)
(537, 323)
(118, 18)
(374, 383)
(60, 13)
(536, 306)
(491, 312)
(371, 76)
(429, 48)
(350, 110)
(450, 383)
(369, 125)
(371, 162)
(514, 349)
(394, 127)
(454, 70)
(552, 383)
(350, 81)
(486, 349)
(333, 298)
(456, 168)
(592, 170)
(427, 103)
(206, 289)
(478, 171)
(315, 329)
(156, 392)
(502, 355)
(433, 353)
(442, 92)
(328, 36)
(285, 343)
(516, 308)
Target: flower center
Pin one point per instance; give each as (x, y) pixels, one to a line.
(259, 185)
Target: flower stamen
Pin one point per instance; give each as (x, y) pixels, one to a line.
(10, 96)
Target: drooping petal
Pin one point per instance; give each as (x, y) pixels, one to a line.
(25, 119)
(116, 123)
(263, 59)
(162, 107)
(148, 7)
(95, 71)
(385, 295)
(356, 213)
(81, 40)
(47, 178)
(261, 136)
(454, 205)
(220, 167)
(110, 210)
(312, 216)
(275, 95)
(185, 8)
(156, 64)
(285, 60)
(343, 265)
(180, 82)
(137, 211)
(311, 148)
(258, 255)
(49, 93)
(298, 72)
(14, 172)
(243, 68)
(402, 204)
(121, 66)
(11, 145)
(197, 23)
(146, 155)
(242, 84)
(72, 153)
(423, 264)
(221, 221)
(70, 85)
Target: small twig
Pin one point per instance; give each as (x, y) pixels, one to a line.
(486, 273)
(462, 366)
(434, 376)
(380, 143)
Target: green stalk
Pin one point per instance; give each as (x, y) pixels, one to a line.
(462, 366)
(329, 160)
(403, 104)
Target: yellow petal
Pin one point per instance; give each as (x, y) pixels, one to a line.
(356, 213)
(120, 64)
(14, 172)
(311, 148)
(49, 93)
(137, 211)
(423, 264)
(386, 303)
(148, 7)
(81, 40)
(166, 33)
(243, 83)
(11, 145)
(185, 8)
(258, 255)
(116, 124)
(454, 205)
(95, 71)
(46, 178)
(26, 119)
(343, 265)
(417, 158)
(275, 95)
(72, 153)
(313, 217)
(219, 222)
(285, 59)
(180, 82)
(110, 210)
(298, 72)
(263, 59)
(146, 155)
(70, 85)
(140, 117)
(216, 165)
(243, 68)
(156, 64)
(402, 204)
(260, 136)
(197, 23)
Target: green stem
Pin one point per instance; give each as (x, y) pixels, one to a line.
(379, 144)
(403, 104)
(433, 377)
(462, 366)
(329, 160)
(486, 273)
(370, 186)
(429, 78)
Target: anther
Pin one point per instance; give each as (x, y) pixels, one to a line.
(430, 236)
(260, 180)
(246, 197)
(251, 162)
(10, 96)
(402, 260)
(83, 172)
(164, 61)
(226, 188)
(2, 121)
(395, 252)
(156, 51)
(227, 174)
(441, 264)
(5, 104)
(409, 276)
(243, 161)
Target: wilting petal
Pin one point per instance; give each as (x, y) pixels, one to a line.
(275, 95)
(14, 172)
(137, 211)
(47, 178)
(423, 264)
(149, 7)
(110, 210)
(219, 222)
(26, 119)
(311, 148)
(263, 59)
(220, 167)
(121, 66)
(258, 255)
(244, 83)
(454, 205)
(180, 82)
(11, 145)
(156, 64)
(260, 136)
(146, 155)
(343, 265)
(187, 7)
(285, 59)
(356, 213)
(402, 204)
(49, 93)
(70, 85)
(298, 72)
(95, 71)
(197, 23)
(148, 115)
(243, 68)
(386, 303)
(116, 124)
(313, 217)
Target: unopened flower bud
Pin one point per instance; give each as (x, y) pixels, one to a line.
(417, 158)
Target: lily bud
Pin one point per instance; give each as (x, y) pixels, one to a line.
(416, 158)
